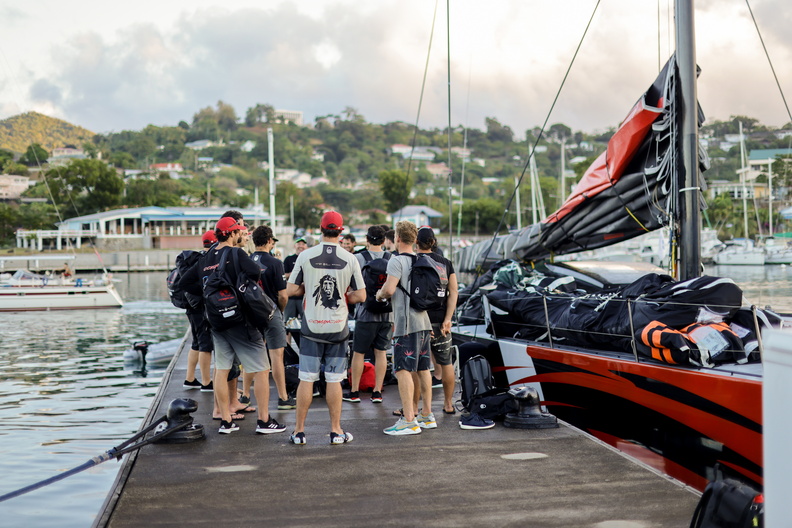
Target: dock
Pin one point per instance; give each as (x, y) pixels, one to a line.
(443, 477)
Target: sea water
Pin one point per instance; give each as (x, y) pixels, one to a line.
(66, 395)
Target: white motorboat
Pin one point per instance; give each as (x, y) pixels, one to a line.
(739, 252)
(27, 291)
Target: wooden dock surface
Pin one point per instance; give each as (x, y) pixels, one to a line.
(442, 477)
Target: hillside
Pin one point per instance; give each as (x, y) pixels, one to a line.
(18, 132)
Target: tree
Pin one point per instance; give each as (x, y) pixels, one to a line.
(396, 186)
(85, 186)
(6, 157)
(34, 156)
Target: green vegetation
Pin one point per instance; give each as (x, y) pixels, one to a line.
(361, 176)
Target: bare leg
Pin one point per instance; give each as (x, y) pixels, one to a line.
(205, 364)
(425, 378)
(448, 386)
(333, 398)
(304, 400)
(261, 390)
(358, 358)
(380, 368)
(406, 385)
(417, 394)
(247, 381)
(192, 361)
(222, 394)
(278, 372)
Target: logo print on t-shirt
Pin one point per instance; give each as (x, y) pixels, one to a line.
(327, 294)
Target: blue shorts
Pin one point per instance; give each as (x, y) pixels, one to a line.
(314, 354)
(243, 342)
(411, 352)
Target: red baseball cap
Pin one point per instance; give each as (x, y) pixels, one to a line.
(228, 224)
(332, 220)
(208, 238)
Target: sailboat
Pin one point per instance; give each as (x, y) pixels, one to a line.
(741, 251)
(666, 369)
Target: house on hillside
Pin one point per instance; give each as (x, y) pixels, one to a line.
(61, 156)
(12, 186)
(419, 215)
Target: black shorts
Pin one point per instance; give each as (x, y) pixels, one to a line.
(201, 334)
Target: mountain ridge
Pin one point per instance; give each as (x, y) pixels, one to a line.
(19, 131)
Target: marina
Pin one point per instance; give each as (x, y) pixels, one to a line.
(70, 396)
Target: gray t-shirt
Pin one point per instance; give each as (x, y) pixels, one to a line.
(361, 314)
(406, 319)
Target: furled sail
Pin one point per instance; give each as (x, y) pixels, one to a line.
(629, 190)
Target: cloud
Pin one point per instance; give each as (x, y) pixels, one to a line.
(507, 62)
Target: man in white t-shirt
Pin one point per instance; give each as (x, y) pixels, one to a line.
(322, 275)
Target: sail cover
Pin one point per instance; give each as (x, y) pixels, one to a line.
(628, 191)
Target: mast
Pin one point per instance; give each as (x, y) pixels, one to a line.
(689, 224)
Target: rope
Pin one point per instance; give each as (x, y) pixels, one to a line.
(116, 452)
(541, 133)
(770, 62)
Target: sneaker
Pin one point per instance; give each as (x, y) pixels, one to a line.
(227, 427)
(298, 438)
(209, 387)
(402, 427)
(376, 397)
(436, 383)
(352, 396)
(474, 421)
(427, 421)
(344, 438)
(288, 403)
(269, 427)
(244, 399)
(194, 384)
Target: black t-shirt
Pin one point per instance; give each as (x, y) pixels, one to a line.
(437, 316)
(271, 274)
(192, 281)
(288, 263)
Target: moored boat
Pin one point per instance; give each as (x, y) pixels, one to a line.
(27, 291)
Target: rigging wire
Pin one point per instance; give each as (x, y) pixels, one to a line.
(450, 167)
(769, 61)
(541, 133)
(420, 99)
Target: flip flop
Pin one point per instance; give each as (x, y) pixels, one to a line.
(400, 412)
(248, 409)
(452, 411)
(234, 417)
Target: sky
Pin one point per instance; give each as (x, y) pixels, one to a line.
(110, 66)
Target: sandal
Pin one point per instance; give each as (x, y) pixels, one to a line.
(234, 417)
(452, 411)
(343, 438)
(400, 412)
(248, 409)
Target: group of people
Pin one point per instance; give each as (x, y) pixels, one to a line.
(321, 285)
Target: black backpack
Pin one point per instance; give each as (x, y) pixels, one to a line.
(375, 273)
(257, 306)
(728, 503)
(221, 303)
(479, 396)
(428, 283)
(184, 261)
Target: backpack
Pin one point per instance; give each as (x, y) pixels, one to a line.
(221, 303)
(184, 261)
(479, 396)
(728, 503)
(428, 283)
(375, 273)
(476, 379)
(257, 306)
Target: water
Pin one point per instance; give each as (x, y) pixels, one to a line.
(66, 396)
